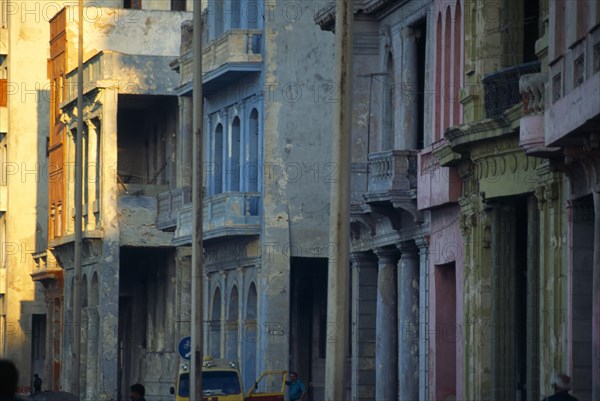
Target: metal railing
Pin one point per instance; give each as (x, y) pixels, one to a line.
(501, 88)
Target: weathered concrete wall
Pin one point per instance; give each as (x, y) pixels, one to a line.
(296, 121)
(157, 33)
(24, 224)
(137, 222)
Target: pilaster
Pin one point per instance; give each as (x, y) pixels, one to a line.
(386, 342)
(408, 322)
(364, 309)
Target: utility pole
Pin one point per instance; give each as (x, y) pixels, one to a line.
(78, 210)
(339, 225)
(197, 207)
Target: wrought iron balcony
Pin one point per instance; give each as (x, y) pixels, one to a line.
(169, 204)
(226, 214)
(392, 171)
(501, 88)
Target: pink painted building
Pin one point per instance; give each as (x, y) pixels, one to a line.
(438, 193)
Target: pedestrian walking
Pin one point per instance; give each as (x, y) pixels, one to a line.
(37, 383)
(297, 391)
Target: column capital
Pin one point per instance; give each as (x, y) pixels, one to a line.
(409, 33)
(408, 247)
(363, 259)
(387, 256)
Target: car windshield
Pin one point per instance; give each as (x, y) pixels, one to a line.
(224, 383)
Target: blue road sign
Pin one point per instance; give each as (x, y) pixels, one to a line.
(185, 348)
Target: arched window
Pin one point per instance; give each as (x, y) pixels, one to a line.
(457, 63)
(219, 16)
(214, 340)
(251, 303)
(94, 293)
(233, 172)
(447, 68)
(218, 160)
(251, 14)
(231, 349)
(251, 170)
(249, 339)
(439, 98)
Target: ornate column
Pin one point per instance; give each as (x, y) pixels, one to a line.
(386, 336)
(408, 322)
(408, 97)
(364, 299)
(477, 332)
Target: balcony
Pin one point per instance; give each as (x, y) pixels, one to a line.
(226, 59)
(169, 204)
(45, 268)
(392, 171)
(438, 185)
(224, 215)
(501, 88)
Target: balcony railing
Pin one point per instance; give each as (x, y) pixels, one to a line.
(502, 88)
(169, 204)
(234, 46)
(392, 170)
(226, 214)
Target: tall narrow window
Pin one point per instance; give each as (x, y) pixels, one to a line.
(530, 30)
(219, 17)
(251, 169)
(457, 55)
(251, 14)
(236, 14)
(447, 68)
(231, 348)
(559, 31)
(218, 160)
(215, 325)
(233, 170)
(420, 95)
(439, 98)
(387, 135)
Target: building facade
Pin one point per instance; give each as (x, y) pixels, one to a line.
(23, 129)
(389, 234)
(268, 99)
(128, 333)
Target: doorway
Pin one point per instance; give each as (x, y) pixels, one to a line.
(308, 323)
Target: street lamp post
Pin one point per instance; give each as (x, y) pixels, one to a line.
(197, 207)
(339, 227)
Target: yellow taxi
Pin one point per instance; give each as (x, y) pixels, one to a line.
(221, 381)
